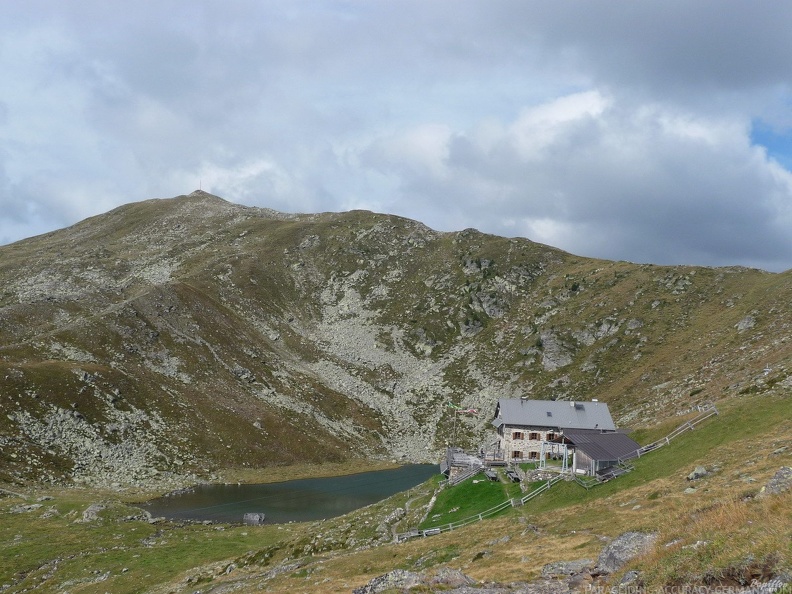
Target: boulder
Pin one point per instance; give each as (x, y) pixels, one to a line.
(398, 579)
(698, 472)
(781, 481)
(451, 578)
(631, 579)
(624, 548)
(746, 323)
(91, 513)
(23, 509)
(566, 568)
(555, 353)
(253, 518)
(401, 580)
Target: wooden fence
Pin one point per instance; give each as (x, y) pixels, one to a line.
(705, 412)
(516, 502)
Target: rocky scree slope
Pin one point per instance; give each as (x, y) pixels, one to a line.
(170, 338)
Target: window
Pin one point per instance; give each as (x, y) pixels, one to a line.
(535, 436)
(533, 455)
(516, 454)
(550, 437)
(518, 435)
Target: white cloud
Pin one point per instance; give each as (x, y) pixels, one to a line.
(537, 128)
(421, 151)
(604, 178)
(607, 131)
(238, 181)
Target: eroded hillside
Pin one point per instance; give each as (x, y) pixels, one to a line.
(175, 337)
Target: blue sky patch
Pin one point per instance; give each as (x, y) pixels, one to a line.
(778, 144)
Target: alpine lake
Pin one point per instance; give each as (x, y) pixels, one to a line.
(300, 500)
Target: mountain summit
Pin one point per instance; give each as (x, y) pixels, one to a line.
(178, 336)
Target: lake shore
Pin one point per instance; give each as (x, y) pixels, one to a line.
(279, 474)
(296, 500)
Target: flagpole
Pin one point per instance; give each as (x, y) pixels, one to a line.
(457, 410)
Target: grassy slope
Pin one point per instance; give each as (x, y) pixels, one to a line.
(472, 496)
(128, 555)
(50, 548)
(742, 531)
(744, 535)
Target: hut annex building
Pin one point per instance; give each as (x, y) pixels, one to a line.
(581, 434)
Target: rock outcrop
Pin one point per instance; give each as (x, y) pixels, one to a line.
(623, 549)
(779, 483)
(560, 577)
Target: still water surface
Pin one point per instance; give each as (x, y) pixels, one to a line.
(299, 500)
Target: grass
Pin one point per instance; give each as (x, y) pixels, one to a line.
(746, 537)
(276, 474)
(714, 544)
(111, 553)
(469, 498)
(120, 552)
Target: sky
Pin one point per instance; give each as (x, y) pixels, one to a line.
(646, 131)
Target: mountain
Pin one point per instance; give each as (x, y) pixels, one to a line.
(168, 339)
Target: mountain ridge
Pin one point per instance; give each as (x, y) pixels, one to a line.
(168, 339)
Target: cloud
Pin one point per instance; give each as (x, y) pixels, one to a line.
(539, 128)
(664, 49)
(419, 152)
(596, 177)
(626, 132)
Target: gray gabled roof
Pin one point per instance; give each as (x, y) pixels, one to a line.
(603, 446)
(553, 413)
